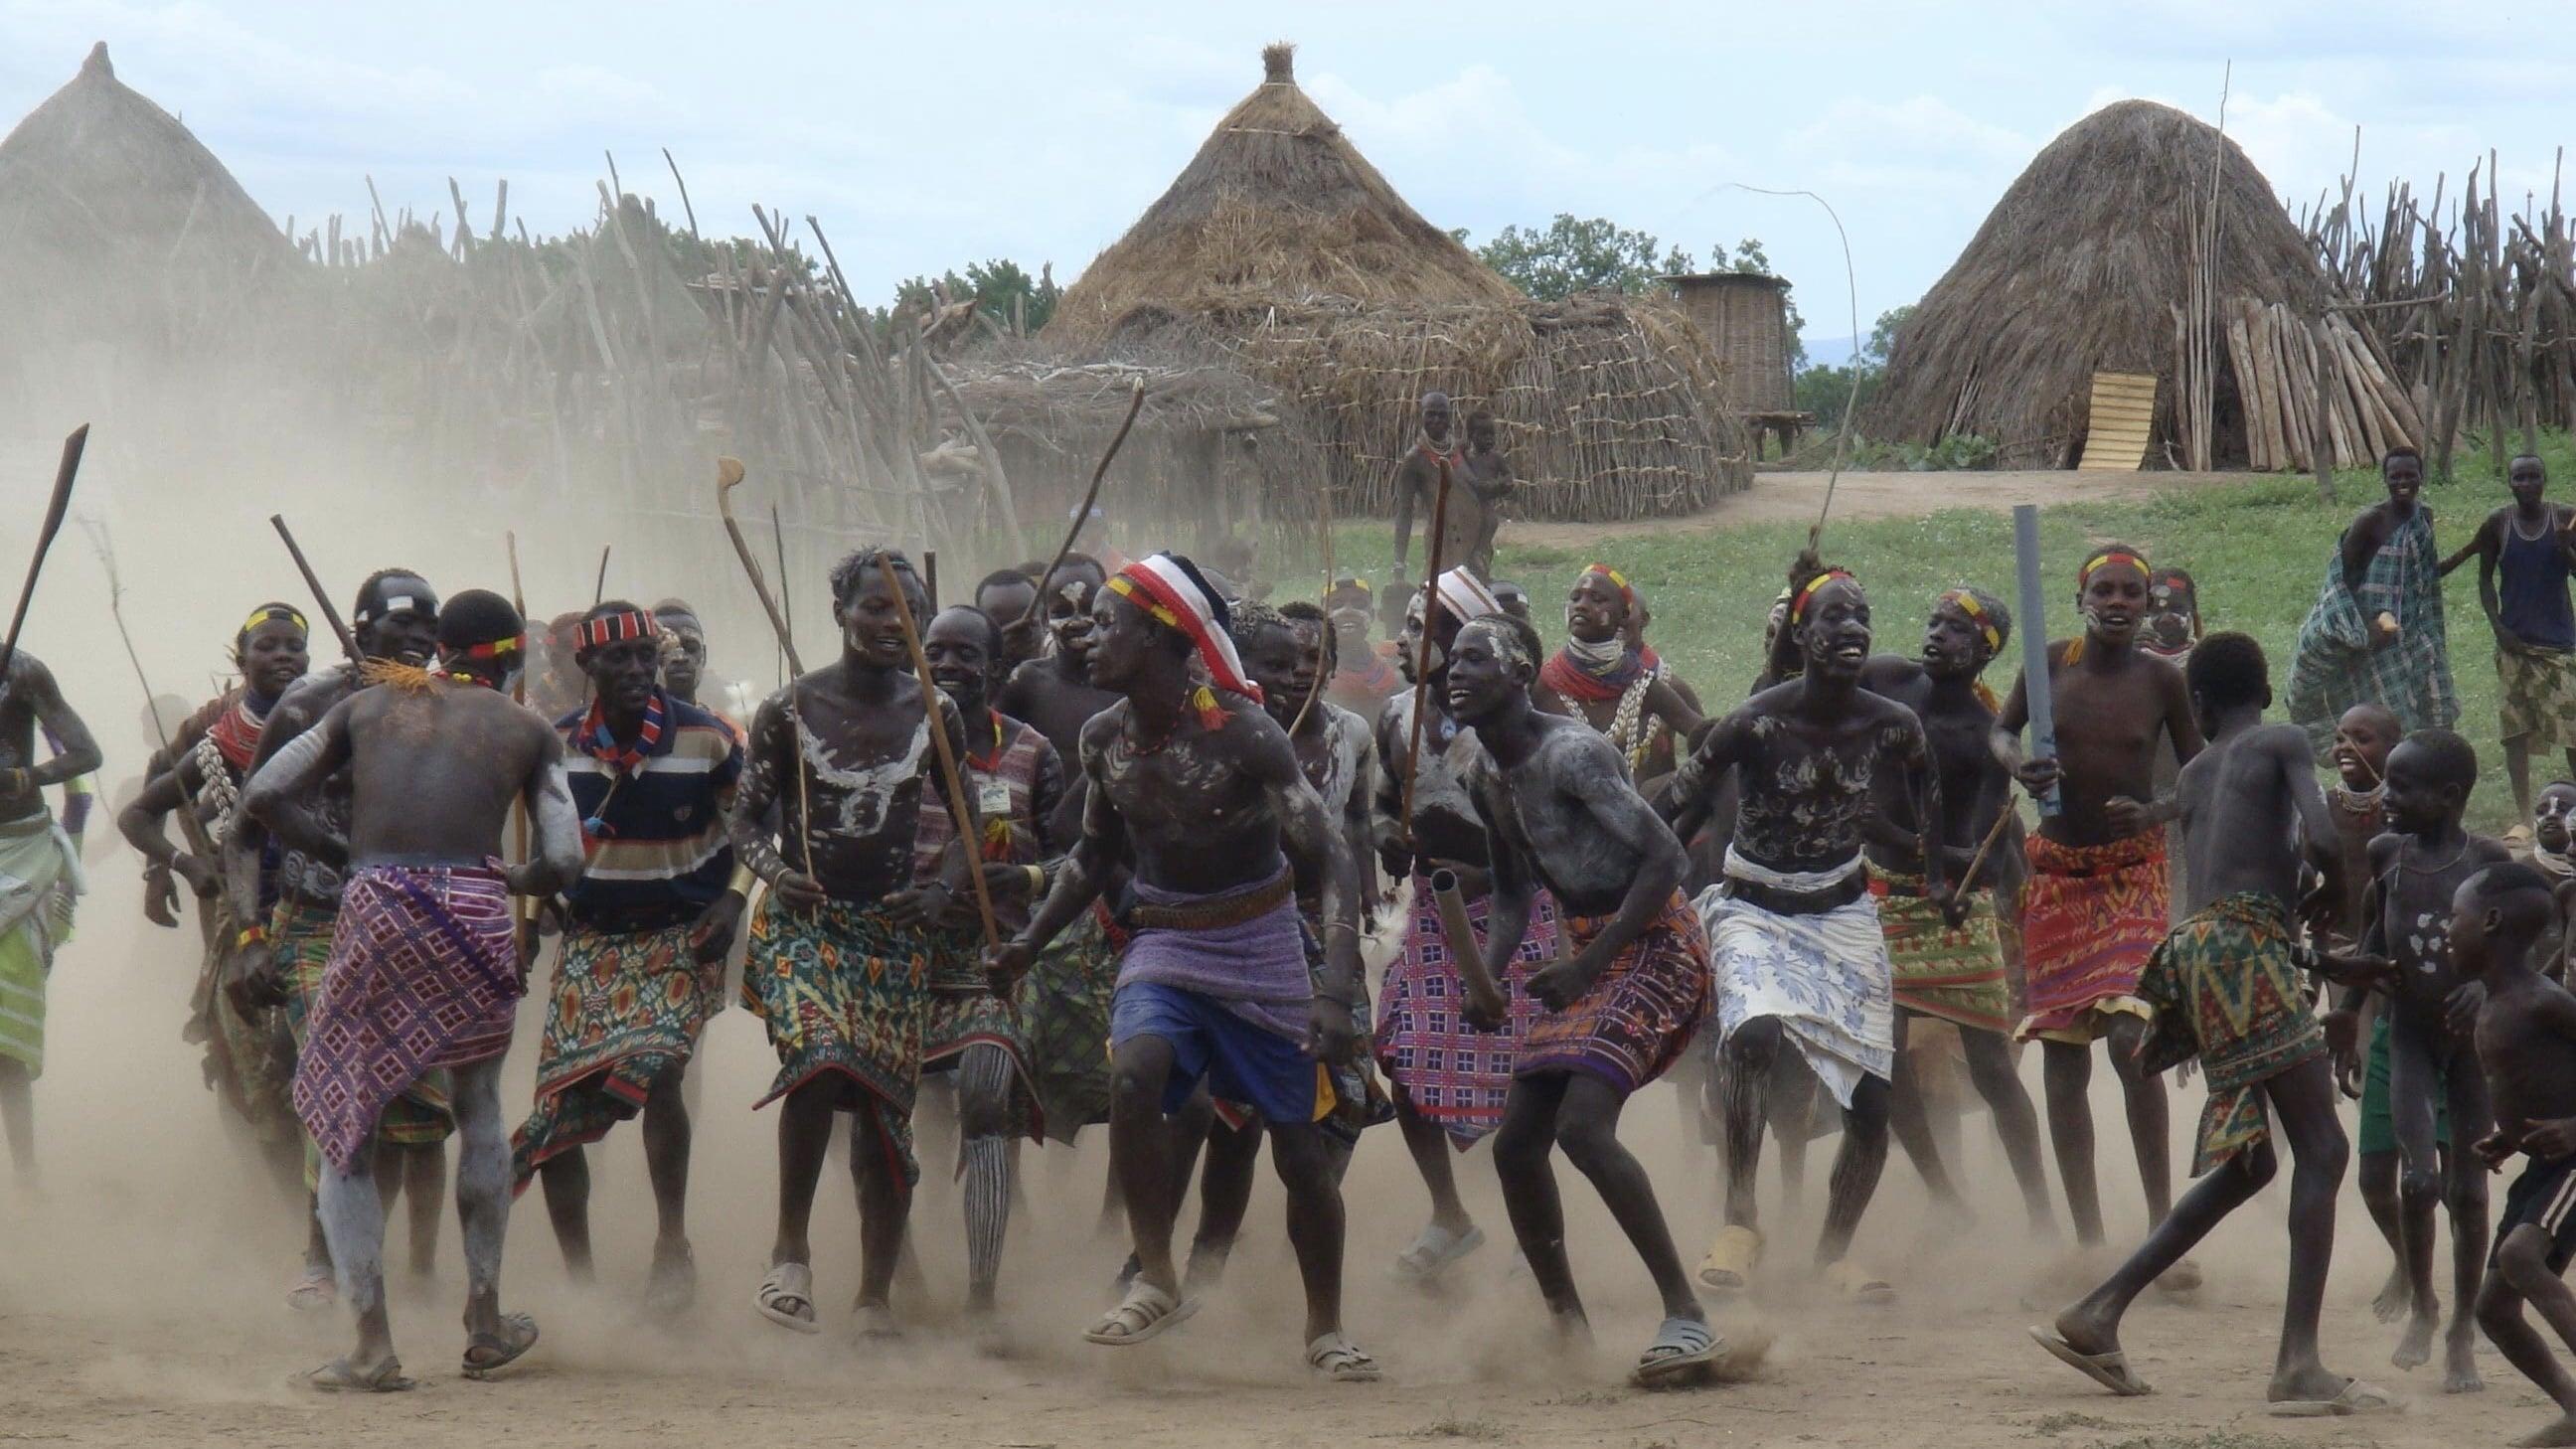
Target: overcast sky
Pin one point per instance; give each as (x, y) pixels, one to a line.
(928, 136)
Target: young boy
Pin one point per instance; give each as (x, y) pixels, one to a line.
(2226, 987)
(2419, 865)
(2526, 1044)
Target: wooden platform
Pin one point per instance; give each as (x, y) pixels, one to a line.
(2124, 413)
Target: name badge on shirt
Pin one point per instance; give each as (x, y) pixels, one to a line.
(993, 799)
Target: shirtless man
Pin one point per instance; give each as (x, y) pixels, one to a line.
(2098, 899)
(1288, 653)
(1558, 811)
(1417, 487)
(395, 621)
(2227, 988)
(1616, 684)
(2529, 544)
(2419, 866)
(2526, 1043)
(840, 947)
(1199, 790)
(1008, 597)
(683, 658)
(1054, 691)
(1489, 477)
(1798, 954)
(1452, 1076)
(35, 858)
(1954, 973)
(423, 971)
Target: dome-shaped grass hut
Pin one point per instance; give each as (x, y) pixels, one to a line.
(2104, 257)
(1280, 245)
(117, 224)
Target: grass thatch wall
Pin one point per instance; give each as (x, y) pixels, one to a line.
(2078, 270)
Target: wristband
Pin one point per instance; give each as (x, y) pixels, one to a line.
(250, 936)
(1037, 881)
(740, 883)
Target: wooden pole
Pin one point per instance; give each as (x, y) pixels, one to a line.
(1422, 654)
(330, 615)
(64, 473)
(949, 765)
(2034, 646)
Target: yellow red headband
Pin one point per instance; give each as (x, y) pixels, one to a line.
(268, 612)
(2105, 559)
(1966, 603)
(1807, 594)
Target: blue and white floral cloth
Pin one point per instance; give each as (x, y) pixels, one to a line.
(1825, 976)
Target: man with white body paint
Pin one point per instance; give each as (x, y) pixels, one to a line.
(423, 973)
(841, 946)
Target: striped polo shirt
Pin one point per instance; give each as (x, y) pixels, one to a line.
(657, 854)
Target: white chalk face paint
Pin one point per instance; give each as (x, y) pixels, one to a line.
(867, 793)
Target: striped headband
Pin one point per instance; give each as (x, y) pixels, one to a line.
(493, 648)
(2105, 559)
(1617, 580)
(614, 628)
(1966, 603)
(1465, 596)
(268, 612)
(1172, 592)
(1806, 595)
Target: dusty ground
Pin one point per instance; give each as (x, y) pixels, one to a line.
(1776, 497)
(140, 1302)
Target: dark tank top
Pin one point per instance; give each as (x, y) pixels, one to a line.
(2531, 587)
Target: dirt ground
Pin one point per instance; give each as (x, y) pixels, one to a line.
(141, 1300)
(1795, 497)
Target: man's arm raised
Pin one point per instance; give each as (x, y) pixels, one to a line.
(79, 755)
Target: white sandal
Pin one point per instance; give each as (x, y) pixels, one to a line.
(788, 1283)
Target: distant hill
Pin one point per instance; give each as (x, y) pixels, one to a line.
(1829, 351)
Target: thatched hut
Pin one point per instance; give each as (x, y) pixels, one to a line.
(1280, 245)
(2105, 257)
(117, 224)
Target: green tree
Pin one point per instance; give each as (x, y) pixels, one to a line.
(1822, 390)
(1882, 335)
(994, 285)
(1573, 255)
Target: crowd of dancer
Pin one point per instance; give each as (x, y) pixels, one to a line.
(1109, 845)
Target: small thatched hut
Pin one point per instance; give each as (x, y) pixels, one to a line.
(2088, 264)
(1280, 245)
(117, 224)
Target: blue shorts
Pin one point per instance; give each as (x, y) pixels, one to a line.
(1240, 1062)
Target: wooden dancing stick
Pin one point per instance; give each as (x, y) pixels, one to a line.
(1091, 495)
(599, 590)
(1994, 833)
(949, 765)
(64, 473)
(728, 478)
(321, 596)
(1324, 508)
(518, 696)
(2034, 646)
(1422, 655)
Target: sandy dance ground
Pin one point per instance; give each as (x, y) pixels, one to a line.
(142, 1300)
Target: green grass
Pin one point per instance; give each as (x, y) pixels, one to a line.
(2257, 550)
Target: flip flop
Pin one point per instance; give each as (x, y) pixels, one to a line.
(1858, 1285)
(1144, 1313)
(313, 1292)
(2110, 1370)
(1728, 1268)
(518, 1335)
(1684, 1350)
(1344, 1362)
(2356, 1398)
(1434, 1253)
(876, 1321)
(786, 1297)
(338, 1377)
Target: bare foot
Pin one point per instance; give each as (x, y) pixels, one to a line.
(2394, 1297)
(2415, 1345)
(2562, 1432)
(2460, 1367)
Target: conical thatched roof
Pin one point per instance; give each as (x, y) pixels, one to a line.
(1277, 205)
(2079, 269)
(104, 194)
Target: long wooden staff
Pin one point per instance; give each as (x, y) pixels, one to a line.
(948, 762)
(786, 600)
(1323, 509)
(1091, 495)
(519, 696)
(2039, 702)
(728, 478)
(62, 499)
(189, 825)
(321, 596)
(1422, 655)
(1994, 833)
(599, 590)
